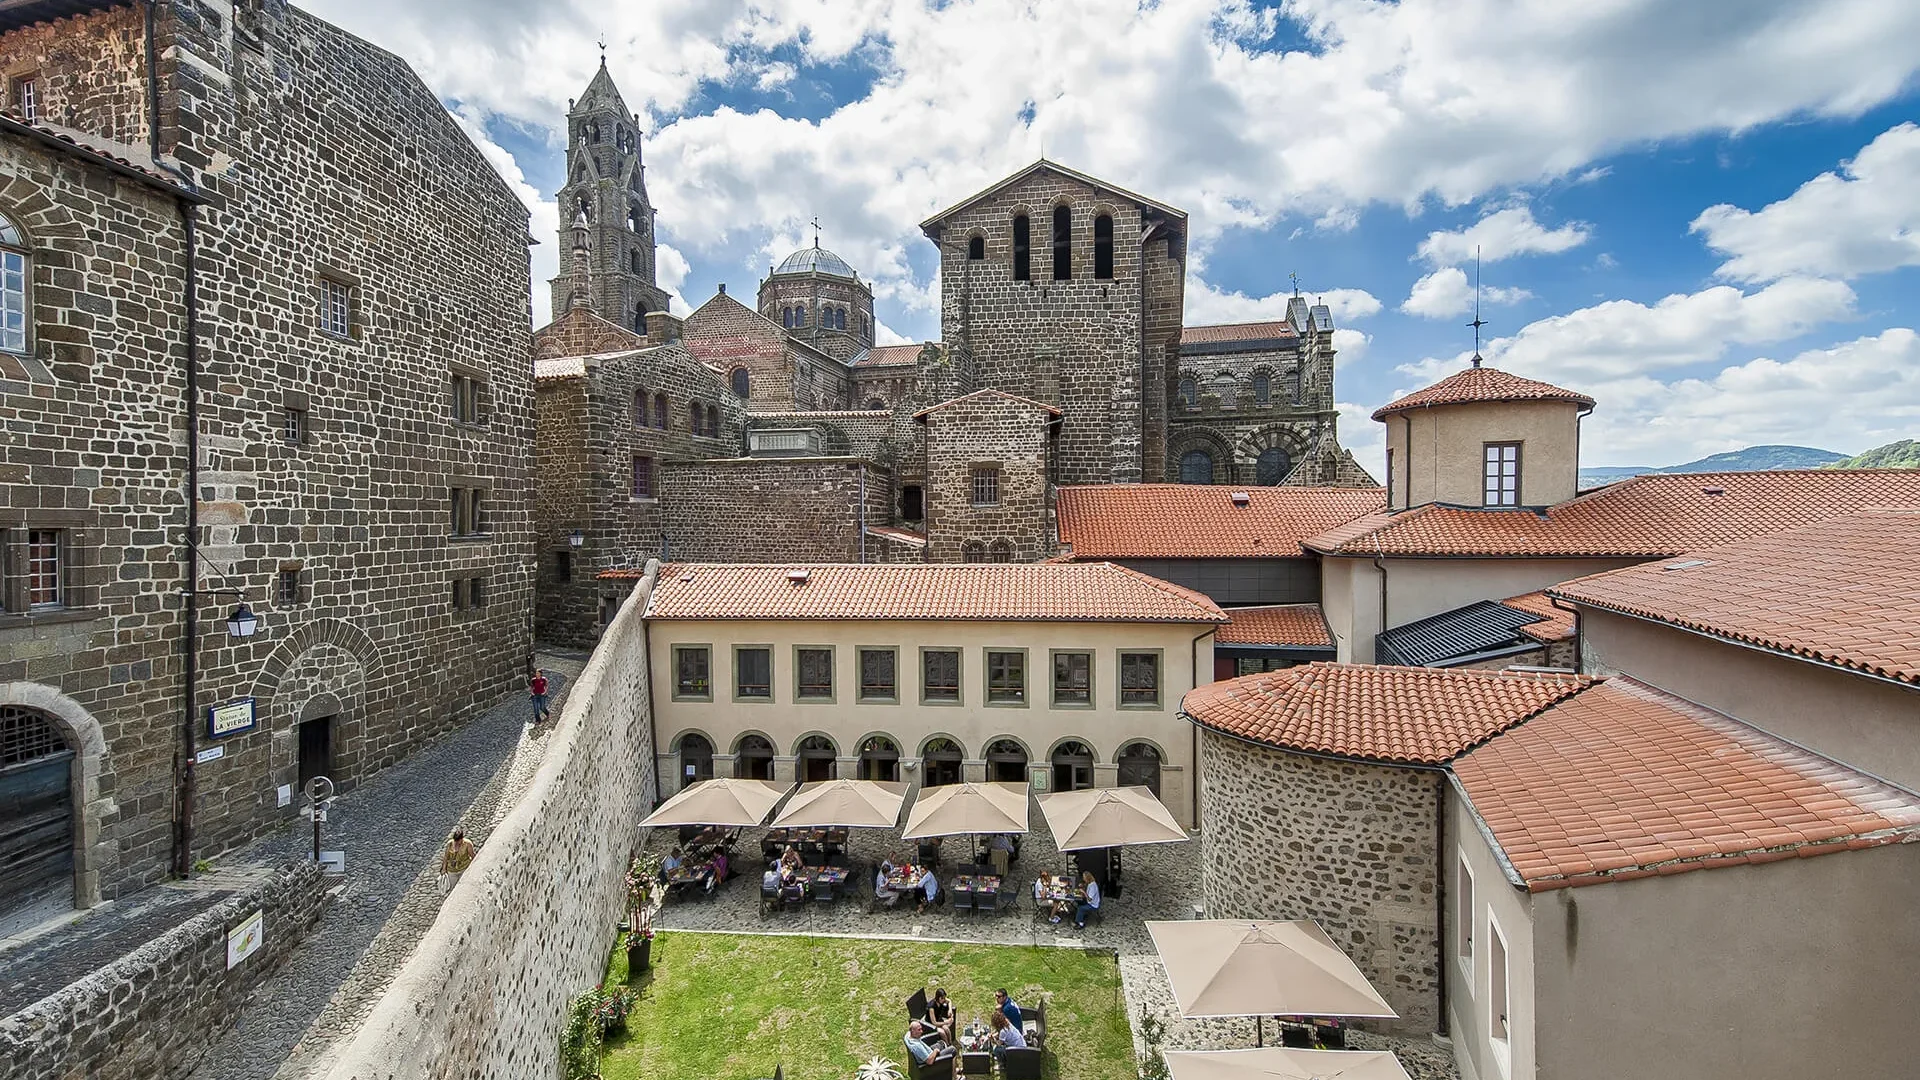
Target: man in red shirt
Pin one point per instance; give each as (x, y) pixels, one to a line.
(538, 686)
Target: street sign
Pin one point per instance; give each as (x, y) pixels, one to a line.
(211, 753)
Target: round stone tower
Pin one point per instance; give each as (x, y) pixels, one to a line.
(820, 300)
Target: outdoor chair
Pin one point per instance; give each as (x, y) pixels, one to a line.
(1020, 1063)
(769, 896)
(1036, 1026)
(929, 855)
(1007, 899)
(962, 901)
(986, 901)
(977, 1064)
(917, 1005)
(940, 1068)
(1298, 1036)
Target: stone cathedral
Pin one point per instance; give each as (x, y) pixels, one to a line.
(774, 428)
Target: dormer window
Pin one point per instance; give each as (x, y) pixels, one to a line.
(26, 96)
(1501, 485)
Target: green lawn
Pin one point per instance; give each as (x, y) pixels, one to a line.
(728, 1007)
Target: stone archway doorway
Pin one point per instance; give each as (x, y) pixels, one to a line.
(36, 808)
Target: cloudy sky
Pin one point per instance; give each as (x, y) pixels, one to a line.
(1705, 215)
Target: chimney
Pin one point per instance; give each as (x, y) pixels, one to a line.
(662, 328)
(723, 288)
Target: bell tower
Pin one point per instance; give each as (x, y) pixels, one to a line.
(606, 181)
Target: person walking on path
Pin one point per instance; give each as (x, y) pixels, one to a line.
(455, 860)
(538, 687)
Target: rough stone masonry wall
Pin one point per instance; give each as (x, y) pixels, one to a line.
(149, 1014)
(530, 924)
(987, 430)
(803, 510)
(564, 610)
(1347, 844)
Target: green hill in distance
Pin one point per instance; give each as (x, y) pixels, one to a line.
(1752, 459)
(1904, 454)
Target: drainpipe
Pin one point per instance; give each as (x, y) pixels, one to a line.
(1440, 901)
(1193, 652)
(1381, 566)
(1577, 417)
(863, 511)
(189, 694)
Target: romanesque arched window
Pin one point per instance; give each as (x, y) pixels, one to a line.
(639, 408)
(636, 219)
(1262, 389)
(799, 317)
(640, 318)
(1103, 247)
(1271, 467)
(634, 263)
(1189, 392)
(1062, 242)
(1000, 552)
(976, 248)
(973, 551)
(16, 279)
(1196, 467)
(660, 411)
(694, 424)
(1022, 248)
(739, 378)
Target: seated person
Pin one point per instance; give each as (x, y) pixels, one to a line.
(881, 892)
(791, 858)
(1007, 1008)
(1006, 1035)
(791, 885)
(929, 891)
(671, 863)
(940, 1014)
(1091, 904)
(923, 1052)
(715, 872)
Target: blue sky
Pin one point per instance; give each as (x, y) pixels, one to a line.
(1706, 216)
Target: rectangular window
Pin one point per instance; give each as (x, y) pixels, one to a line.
(690, 672)
(753, 673)
(1140, 678)
(468, 508)
(1022, 248)
(1463, 914)
(877, 678)
(26, 95)
(476, 592)
(1007, 678)
(813, 669)
(1497, 1025)
(642, 476)
(293, 426)
(563, 565)
(986, 485)
(336, 307)
(940, 675)
(13, 301)
(286, 588)
(1072, 678)
(467, 392)
(45, 585)
(1502, 475)
(457, 594)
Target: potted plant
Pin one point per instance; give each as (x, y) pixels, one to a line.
(877, 1068)
(612, 1009)
(644, 897)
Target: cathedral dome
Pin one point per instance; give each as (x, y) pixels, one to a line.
(815, 260)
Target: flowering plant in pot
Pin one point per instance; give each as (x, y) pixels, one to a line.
(877, 1068)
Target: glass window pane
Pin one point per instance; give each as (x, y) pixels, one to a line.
(690, 676)
(940, 675)
(1006, 676)
(1072, 678)
(816, 673)
(753, 673)
(1139, 678)
(876, 673)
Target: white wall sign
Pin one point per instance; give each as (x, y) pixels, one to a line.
(245, 940)
(211, 753)
(285, 794)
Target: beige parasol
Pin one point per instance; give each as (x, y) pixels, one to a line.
(1277, 1063)
(1237, 967)
(1108, 817)
(953, 809)
(856, 804)
(737, 803)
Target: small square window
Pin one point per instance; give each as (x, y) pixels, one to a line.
(1072, 678)
(336, 310)
(691, 677)
(467, 393)
(46, 585)
(986, 485)
(1007, 678)
(286, 588)
(467, 507)
(753, 673)
(25, 93)
(293, 426)
(476, 592)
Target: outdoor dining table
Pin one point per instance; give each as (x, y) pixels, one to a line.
(827, 878)
(976, 883)
(903, 878)
(1058, 887)
(834, 837)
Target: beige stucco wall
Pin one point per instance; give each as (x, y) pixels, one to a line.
(1470, 978)
(1105, 726)
(1448, 445)
(1871, 725)
(1417, 588)
(1792, 969)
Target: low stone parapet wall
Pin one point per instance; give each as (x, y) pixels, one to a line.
(152, 1013)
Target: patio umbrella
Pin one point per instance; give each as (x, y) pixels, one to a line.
(854, 804)
(953, 809)
(1237, 967)
(1108, 817)
(1276, 1063)
(726, 802)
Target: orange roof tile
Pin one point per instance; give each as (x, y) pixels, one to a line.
(1624, 782)
(1186, 521)
(1247, 331)
(1301, 625)
(988, 392)
(1556, 624)
(1481, 384)
(890, 355)
(1422, 716)
(1845, 591)
(1042, 592)
(1646, 517)
(565, 367)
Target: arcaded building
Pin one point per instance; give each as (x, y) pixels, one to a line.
(356, 437)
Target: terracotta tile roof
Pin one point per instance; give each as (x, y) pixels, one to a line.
(82, 145)
(890, 355)
(1626, 782)
(1845, 591)
(1556, 624)
(1481, 384)
(1248, 331)
(621, 575)
(989, 392)
(1411, 715)
(565, 367)
(1043, 592)
(1646, 517)
(1299, 625)
(1130, 521)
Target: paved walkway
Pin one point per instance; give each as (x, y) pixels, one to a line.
(392, 829)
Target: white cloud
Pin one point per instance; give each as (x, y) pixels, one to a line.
(1207, 304)
(887, 335)
(1349, 346)
(1499, 235)
(1862, 219)
(1365, 438)
(1447, 292)
(670, 270)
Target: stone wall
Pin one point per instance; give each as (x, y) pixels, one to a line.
(783, 373)
(813, 293)
(153, 1013)
(1347, 844)
(531, 922)
(988, 430)
(772, 509)
(607, 179)
(579, 332)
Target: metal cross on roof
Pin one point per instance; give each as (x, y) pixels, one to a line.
(1477, 322)
(816, 230)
